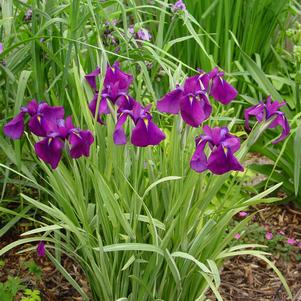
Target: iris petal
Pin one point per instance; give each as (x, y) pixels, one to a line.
(280, 120)
(80, 142)
(257, 111)
(170, 103)
(50, 150)
(221, 161)
(199, 159)
(222, 91)
(91, 78)
(119, 136)
(15, 128)
(146, 133)
(195, 110)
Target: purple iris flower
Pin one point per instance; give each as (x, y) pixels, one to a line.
(80, 142)
(1, 48)
(178, 6)
(42, 119)
(50, 149)
(41, 249)
(192, 100)
(267, 111)
(48, 122)
(145, 132)
(221, 159)
(116, 84)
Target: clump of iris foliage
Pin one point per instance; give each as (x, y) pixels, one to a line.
(136, 155)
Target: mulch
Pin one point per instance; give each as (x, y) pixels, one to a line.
(244, 278)
(52, 285)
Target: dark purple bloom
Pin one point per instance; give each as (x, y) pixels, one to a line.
(15, 128)
(41, 249)
(50, 150)
(1, 48)
(145, 132)
(221, 159)
(116, 83)
(221, 90)
(48, 122)
(191, 101)
(43, 119)
(80, 142)
(178, 6)
(267, 111)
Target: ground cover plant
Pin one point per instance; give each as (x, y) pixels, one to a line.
(128, 158)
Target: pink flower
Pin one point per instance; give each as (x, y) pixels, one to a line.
(243, 214)
(269, 235)
(291, 241)
(281, 232)
(237, 236)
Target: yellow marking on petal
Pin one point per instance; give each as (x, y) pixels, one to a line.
(146, 121)
(39, 119)
(49, 140)
(190, 99)
(113, 69)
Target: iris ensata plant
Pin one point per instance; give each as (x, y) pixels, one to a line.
(143, 223)
(48, 122)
